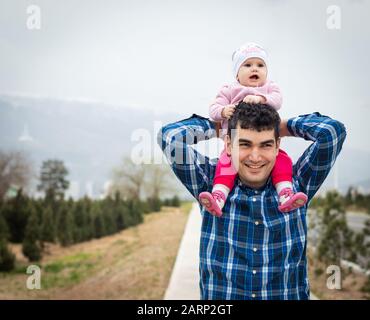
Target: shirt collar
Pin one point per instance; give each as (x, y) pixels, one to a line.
(248, 189)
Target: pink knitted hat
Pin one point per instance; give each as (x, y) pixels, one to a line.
(246, 51)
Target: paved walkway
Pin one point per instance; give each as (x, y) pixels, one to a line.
(184, 281)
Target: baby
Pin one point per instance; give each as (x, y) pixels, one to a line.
(251, 86)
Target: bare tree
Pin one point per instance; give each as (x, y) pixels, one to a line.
(157, 180)
(128, 179)
(15, 169)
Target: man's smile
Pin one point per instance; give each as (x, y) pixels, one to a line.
(254, 166)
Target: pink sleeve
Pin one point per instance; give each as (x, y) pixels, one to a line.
(223, 98)
(274, 97)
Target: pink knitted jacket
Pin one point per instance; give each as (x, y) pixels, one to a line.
(233, 93)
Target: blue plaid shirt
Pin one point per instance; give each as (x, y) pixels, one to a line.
(253, 251)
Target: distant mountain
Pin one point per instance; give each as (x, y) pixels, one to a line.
(351, 168)
(91, 139)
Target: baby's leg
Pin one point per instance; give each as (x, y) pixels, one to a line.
(222, 184)
(282, 180)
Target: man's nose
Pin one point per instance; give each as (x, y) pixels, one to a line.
(254, 155)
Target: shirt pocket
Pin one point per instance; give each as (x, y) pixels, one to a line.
(278, 221)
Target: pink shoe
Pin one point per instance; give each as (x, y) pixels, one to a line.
(209, 201)
(289, 200)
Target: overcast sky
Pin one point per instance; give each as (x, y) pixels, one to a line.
(175, 55)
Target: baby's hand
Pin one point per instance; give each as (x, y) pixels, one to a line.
(228, 111)
(254, 99)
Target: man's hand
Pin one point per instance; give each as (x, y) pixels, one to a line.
(228, 111)
(254, 99)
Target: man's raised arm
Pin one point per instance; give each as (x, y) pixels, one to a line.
(314, 165)
(192, 168)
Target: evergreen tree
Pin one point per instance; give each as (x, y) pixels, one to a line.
(98, 222)
(134, 215)
(108, 214)
(53, 179)
(7, 258)
(16, 215)
(31, 246)
(65, 226)
(4, 230)
(175, 202)
(117, 212)
(48, 230)
(154, 204)
(79, 222)
(336, 241)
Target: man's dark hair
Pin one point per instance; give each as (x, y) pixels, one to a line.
(257, 117)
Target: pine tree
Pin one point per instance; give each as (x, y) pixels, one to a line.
(98, 222)
(52, 179)
(47, 232)
(109, 218)
(31, 246)
(4, 230)
(134, 214)
(7, 258)
(154, 204)
(65, 226)
(79, 222)
(16, 216)
(336, 241)
(175, 202)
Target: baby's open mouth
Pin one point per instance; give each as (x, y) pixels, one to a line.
(254, 77)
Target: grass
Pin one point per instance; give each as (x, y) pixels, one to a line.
(68, 270)
(133, 264)
(186, 206)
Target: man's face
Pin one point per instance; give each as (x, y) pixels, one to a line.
(253, 154)
(252, 73)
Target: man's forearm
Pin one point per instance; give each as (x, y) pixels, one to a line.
(175, 137)
(317, 127)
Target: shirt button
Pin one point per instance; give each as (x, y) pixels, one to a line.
(254, 199)
(255, 191)
(255, 249)
(257, 223)
(254, 271)
(253, 295)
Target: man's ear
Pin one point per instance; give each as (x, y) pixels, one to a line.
(278, 143)
(227, 142)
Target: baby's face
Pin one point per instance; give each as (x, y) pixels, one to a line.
(252, 73)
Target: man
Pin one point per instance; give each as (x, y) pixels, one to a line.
(254, 251)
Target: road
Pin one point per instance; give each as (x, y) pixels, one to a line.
(356, 221)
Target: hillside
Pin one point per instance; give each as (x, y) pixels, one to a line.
(91, 138)
(133, 264)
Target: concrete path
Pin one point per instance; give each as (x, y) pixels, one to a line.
(184, 281)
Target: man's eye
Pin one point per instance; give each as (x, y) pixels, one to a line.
(247, 65)
(266, 146)
(261, 65)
